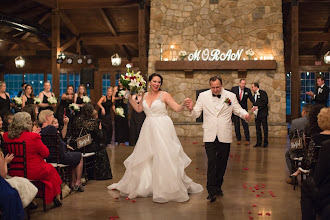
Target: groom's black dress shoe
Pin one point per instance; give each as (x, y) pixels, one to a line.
(219, 192)
(212, 198)
(257, 145)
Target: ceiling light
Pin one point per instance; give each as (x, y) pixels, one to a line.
(327, 57)
(69, 60)
(80, 61)
(19, 62)
(89, 61)
(59, 60)
(115, 60)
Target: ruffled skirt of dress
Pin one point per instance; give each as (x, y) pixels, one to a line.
(156, 166)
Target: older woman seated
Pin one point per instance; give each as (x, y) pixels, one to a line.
(74, 159)
(36, 151)
(94, 127)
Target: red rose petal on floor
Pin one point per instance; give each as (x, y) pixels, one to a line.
(253, 190)
(245, 186)
(250, 217)
(133, 201)
(254, 206)
(116, 197)
(273, 196)
(113, 189)
(194, 143)
(263, 184)
(268, 214)
(196, 168)
(237, 159)
(250, 212)
(257, 195)
(250, 188)
(127, 198)
(262, 192)
(263, 187)
(259, 213)
(257, 188)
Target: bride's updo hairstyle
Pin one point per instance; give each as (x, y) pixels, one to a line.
(156, 74)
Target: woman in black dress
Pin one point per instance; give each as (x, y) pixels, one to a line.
(78, 97)
(105, 104)
(44, 95)
(136, 122)
(121, 123)
(63, 108)
(94, 127)
(4, 100)
(28, 96)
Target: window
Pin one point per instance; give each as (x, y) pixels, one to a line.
(288, 93)
(105, 83)
(36, 80)
(13, 84)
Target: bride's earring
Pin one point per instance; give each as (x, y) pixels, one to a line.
(149, 86)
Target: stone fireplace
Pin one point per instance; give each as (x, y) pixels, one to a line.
(192, 25)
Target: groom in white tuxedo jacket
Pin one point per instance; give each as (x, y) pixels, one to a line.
(217, 105)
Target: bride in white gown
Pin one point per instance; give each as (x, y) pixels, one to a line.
(156, 166)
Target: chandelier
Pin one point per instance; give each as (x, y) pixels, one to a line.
(327, 57)
(19, 62)
(115, 60)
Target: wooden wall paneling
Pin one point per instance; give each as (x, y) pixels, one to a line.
(55, 52)
(295, 74)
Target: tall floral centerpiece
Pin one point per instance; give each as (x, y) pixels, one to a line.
(133, 82)
(249, 53)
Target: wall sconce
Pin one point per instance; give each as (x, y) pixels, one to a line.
(19, 62)
(115, 60)
(327, 57)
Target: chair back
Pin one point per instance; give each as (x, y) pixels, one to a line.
(19, 161)
(52, 141)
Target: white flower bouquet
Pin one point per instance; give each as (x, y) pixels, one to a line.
(74, 107)
(249, 53)
(134, 82)
(52, 100)
(122, 93)
(37, 100)
(17, 100)
(86, 99)
(120, 111)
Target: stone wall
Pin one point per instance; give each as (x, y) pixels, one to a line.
(231, 24)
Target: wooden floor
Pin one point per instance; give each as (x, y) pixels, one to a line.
(248, 168)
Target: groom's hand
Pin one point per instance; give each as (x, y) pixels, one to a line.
(247, 117)
(188, 103)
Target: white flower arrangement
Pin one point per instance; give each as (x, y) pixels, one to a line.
(86, 99)
(36, 100)
(249, 52)
(134, 82)
(74, 107)
(52, 100)
(182, 53)
(17, 100)
(120, 111)
(122, 93)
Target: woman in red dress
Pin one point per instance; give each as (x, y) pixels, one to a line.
(36, 151)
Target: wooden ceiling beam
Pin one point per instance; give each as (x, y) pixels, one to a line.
(317, 37)
(108, 21)
(68, 44)
(47, 3)
(68, 23)
(76, 4)
(126, 52)
(24, 43)
(109, 40)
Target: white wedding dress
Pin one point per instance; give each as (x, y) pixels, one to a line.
(156, 166)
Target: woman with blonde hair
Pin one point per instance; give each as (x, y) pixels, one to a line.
(37, 169)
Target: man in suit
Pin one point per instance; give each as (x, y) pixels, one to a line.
(217, 105)
(298, 125)
(260, 109)
(322, 95)
(242, 95)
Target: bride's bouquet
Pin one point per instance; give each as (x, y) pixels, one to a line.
(52, 100)
(86, 99)
(134, 82)
(74, 107)
(17, 100)
(120, 111)
(36, 100)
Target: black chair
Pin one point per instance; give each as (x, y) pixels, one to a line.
(52, 141)
(19, 163)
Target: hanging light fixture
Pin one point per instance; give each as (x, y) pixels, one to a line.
(327, 57)
(115, 60)
(19, 62)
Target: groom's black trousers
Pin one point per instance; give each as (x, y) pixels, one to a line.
(217, 155)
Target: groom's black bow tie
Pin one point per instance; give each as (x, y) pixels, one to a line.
(219, 96)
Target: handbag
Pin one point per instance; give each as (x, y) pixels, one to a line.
(296, 142)
(83, 141)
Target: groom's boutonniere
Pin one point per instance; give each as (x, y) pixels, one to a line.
(227, 100)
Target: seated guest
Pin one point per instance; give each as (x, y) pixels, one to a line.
(63, 108)
(33, 111)
(7, 118)
(93, 127)
(73, 159)
(315, 191)
(1, 136)
(311, 150)
(28, 97)
(10, 201)
(36, 151)
(297, 125)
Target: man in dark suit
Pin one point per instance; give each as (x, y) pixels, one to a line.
(260, 109)
(322, 92)
(242, 95)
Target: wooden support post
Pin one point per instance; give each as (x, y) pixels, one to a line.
(55, 52)
(295, 74)
(142, 40)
